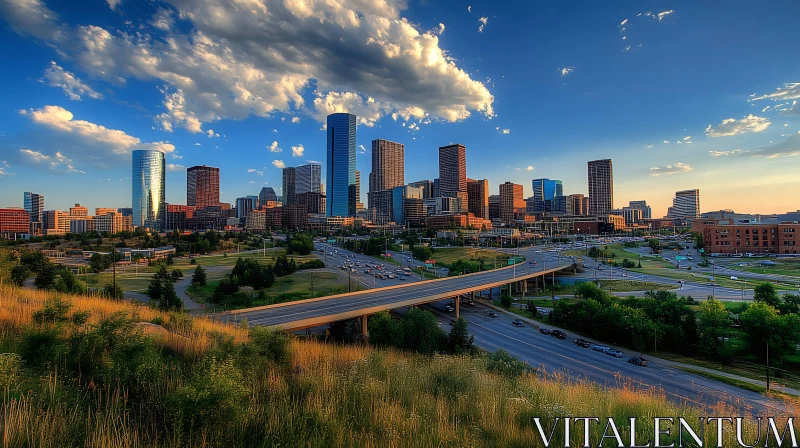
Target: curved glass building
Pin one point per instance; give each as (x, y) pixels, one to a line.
(148, 188)
(341, 170)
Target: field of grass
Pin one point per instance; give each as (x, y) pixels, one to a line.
(720, 280)
(789, 267)
(727, 380)
(449, 255)
(194, 382)
(229, 259)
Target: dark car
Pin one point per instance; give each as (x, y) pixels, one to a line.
(558, 334)
(638, 360)
(518, 323)
(544, 331)
(615, 353)
(491, 314)
(582, 343)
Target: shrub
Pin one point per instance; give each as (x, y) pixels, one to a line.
(502, 363)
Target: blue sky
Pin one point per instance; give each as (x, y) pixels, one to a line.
(533, 89)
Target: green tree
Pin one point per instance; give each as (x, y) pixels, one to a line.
(502, 363)
(765, 292)
(109, 292)
(713, 323)
(169, 299)
(99, 262)
(176, 274)
(199, 276)
(384, 331)
(69, 283)
(19, 274)
(422, 253)
(46, 277)
(156, 288)
(459, 341)
(300, 244)
(759, 323)
(420, 332)
(506, 300)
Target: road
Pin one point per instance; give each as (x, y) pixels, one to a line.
(563, 356)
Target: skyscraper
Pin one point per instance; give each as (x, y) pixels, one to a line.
(388, 165)
(289, 185)
(202, 186)
(647, 212)
(452, 169)
(478, 198)
(341, 168)
(308, 178)
(686, 205)
(149, 187)
(511, 202)
(577, 204)
(245, 205)
(601, 187)
(359, 204)
(34, 205)
(267, 194)
(547, 189)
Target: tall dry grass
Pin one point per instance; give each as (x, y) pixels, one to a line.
(323, 395)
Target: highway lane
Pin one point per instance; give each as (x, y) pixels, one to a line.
(556, 356)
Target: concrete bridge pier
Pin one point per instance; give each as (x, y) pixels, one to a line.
(364, 331)
(458, 306)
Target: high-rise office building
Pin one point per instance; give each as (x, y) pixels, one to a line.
(149, 187)
(494, 206)
(686, 205)
(511, 202)
(478, 198)
(34, 204)
(267, 194)
(359, 204)
(308, 178)
(13, 221)
(340, 181)
(388, 165)
(435, 190)
(452, 169)
(601, 187)
(399, 197)
(647, 212)
(547, 189)
(202, 186)
(427, 185)
(577, 204)
(245, 205)
(289, 185)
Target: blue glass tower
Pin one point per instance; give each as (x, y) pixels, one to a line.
(148, 184)
(547, 189)
(341, 170)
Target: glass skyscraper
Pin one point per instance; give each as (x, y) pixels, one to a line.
(148, 189)
(547, 189)
(341, 170)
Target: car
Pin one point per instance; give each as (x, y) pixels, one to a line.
(518, 323)
(638, 360)
(449, 309)
(600, 268)
(600, 348)
(585, 265)
(582, 343)
(544, 331)
(491, 314)
(558, 334)
(614, 353)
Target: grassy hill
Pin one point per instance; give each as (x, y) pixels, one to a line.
(84, 371)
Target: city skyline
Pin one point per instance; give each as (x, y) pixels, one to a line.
(70, 125)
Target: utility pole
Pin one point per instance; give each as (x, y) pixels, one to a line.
(767, 365)
(348, 280)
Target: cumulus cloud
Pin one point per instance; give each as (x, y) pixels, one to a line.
(278, 164)
(237, 59)
(274, 147)
(297, 151)
(73, 87)
(670, 169)
(566, 71)
(251, 170)
(174, 167)
(483, 21)
(530, 168)
(211, 134)
(439, 30)
(113, 4)
(731, 126)
(502, 131)
(663, 14)
(91, 142)
(56, 163)
(295, 119)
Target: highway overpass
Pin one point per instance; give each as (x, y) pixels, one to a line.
(309, 313)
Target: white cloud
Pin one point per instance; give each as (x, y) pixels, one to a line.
(57, 162)
(663, 14)
(785, 97)
(666, 141)
(73, 87)
(788, 148)
(650, 146)
(670, 169)
(274, 147)
(278, 164)
(530, 168)
(211, 134)
(295, 119)
(113, 4)
(732, 152)
(237, 59)
(2, 172)
(260, 173)
(731, 126)
(93, 142)
(469, 8)
(688, 137)
(566, 71)
(624, 22)
(197, 144)
(253, 182)
(163, 19)
(483, 21)
(175, 156)
(34, 156)
(502, 131)
(297, 151)
(251, 170)
(362, 149)
(174, 167)
(439, 30)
